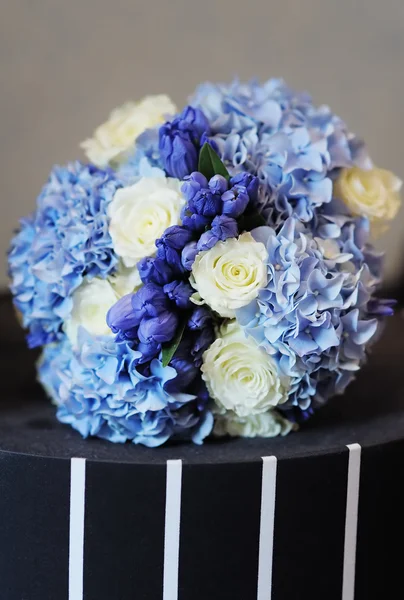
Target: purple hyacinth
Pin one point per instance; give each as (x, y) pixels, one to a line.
(188, 255)
(179, 142)
(154, 270)
(158, 329)
(235, 201)
(179, 292)
(223, 227)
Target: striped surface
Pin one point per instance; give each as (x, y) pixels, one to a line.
(266, 530)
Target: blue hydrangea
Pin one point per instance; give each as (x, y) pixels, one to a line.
(280, 136)
(66, 239)
(144, 160)
(100, 391)
(313, 314)
(351, 233)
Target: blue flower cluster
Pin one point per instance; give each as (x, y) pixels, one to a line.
(291, 145)
(66, 240)
(152, 316)
(252, 157)
(99, 391)
(313, 314)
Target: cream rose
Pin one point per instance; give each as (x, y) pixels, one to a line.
(91, 303)
(230, 275)
(266, 425)
(240, 375)
(140, 214)
(373, 193)
(112, 139)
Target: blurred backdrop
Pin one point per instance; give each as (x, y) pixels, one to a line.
(65, 65)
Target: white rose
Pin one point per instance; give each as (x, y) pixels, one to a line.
(112, 139)
(91, 303)
(266, 425)
(140, 214)
(373, 193)
(230, 275)
(241, 376)
(125, 280)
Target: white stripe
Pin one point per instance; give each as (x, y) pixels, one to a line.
(266, 543)
(351, 522)
(172, 529)
(76, 543)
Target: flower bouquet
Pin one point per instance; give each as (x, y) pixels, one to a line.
(208, 271)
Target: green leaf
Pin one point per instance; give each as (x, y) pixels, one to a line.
(210, 163)
(250, 222)
(170, 348)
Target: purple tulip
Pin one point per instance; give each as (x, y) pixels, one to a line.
(148, 350)
(176, 237)
(149, 301)
(194, 118)
(177, 151)
(169, 255)
(205, 338)
(207, 241)
(188, 255)
(179, 292)
(200, 319)
(121, 317)
(193, 184)
(179, 142)
(235, 201)
(218, 184)
(250, 182)
(158, 329)
(193, 221)
(154, 270)
(205, 203)
(224, 227)
(186, 373)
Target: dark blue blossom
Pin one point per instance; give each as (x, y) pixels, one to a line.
(210, 204)
(149, 301)
(203, 340)
(175, 237)
(200, 318)
(188, 255)
(154, 270)
(171, 244)
(179, 142)
(158, 329)
(66, 240)
(121, 317)
(180, 292)
(218, 184)
(248, 181)
(235, 201)
(193, 184)
(223, 227)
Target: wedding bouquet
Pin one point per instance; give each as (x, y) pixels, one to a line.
(207, 271)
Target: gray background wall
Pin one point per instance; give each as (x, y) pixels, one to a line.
(65, 64)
